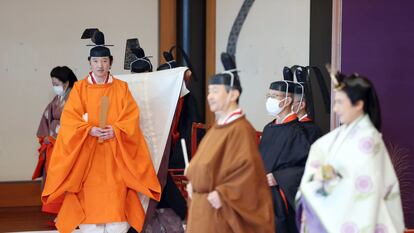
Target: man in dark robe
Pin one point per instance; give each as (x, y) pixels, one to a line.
(284, 148)
(300, 107)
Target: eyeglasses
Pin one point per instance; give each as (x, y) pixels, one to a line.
(274, 96)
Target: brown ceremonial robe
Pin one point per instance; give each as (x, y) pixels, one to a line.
(229, 162)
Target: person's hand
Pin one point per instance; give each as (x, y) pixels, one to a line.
(102, 134)
(189, 188)
(271, 181)
(107, 133)
(214, 199)
(95, 132)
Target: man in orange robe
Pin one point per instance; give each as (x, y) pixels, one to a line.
(100, 180)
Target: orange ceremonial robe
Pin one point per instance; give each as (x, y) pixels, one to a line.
(100, 180)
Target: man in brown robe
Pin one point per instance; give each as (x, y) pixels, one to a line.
(228, 187)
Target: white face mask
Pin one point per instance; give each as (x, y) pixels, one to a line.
(273, 106)
(58, 90)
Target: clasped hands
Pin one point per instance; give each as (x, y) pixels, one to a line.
(102, 133)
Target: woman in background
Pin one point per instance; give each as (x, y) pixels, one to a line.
(349, 184)
(62, 79)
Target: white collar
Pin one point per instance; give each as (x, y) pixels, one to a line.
(110, 79)
(232, 116)
(303, 117)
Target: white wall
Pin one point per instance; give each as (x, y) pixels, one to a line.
(37, 35)
(275, 34)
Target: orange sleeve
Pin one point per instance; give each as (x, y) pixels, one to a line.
(134, 161)
(67, 167)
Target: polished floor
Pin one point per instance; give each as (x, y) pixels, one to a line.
(24, 219)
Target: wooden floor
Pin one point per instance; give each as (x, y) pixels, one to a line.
(15, 219)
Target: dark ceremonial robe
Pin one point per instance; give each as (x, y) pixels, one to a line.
(312, 131)
(284, 148)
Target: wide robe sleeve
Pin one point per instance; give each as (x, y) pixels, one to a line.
(243, 192)
(131, 151)
(67, 168)
(133, 160)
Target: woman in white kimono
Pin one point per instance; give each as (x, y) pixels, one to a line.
(349, 184)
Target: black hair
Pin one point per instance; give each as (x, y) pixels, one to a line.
(358, 88)
(64, 74)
